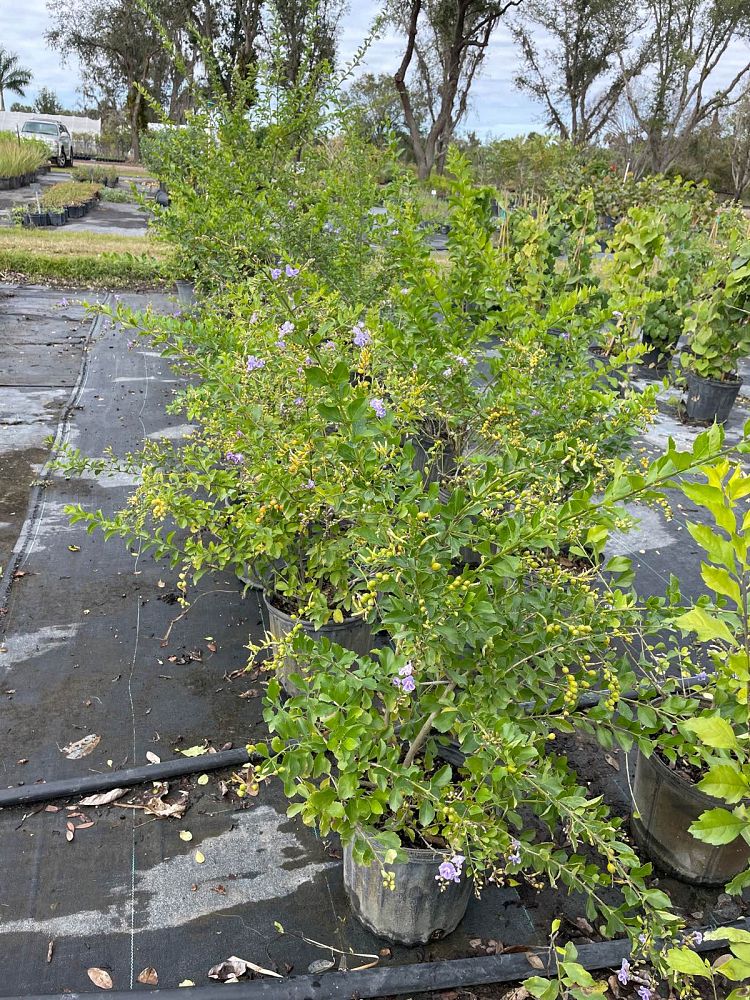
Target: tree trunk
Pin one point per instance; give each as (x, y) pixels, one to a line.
(2, 100)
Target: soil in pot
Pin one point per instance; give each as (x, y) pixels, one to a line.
(352, 633)
(667, 803)
(416, 910)
(710, 399)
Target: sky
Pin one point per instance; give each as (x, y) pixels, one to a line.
(497, 107)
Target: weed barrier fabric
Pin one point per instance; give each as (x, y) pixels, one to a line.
(403, 979)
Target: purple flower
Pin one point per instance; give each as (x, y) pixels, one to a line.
(254, 363)
(276, 273)
(177, 313)
(63, 303)
(299, 401)
(407, 670)
(408, 684)
(309, 485)
(645, 993)
(461, 360)
(234, 457)
(254, 318)
(702, 676)
(450, 871)
(131, 344)
(565, 336)
(309, 361)
(447, 372)
(535, 413)
(405, 682)
(329, 345)
(447, 872)
(379, 407)
(514, 858)
(291, 203)
(623, 976)
(286, 327)
(281, 344)
(291, 272)
(696, 938)
(362, 336)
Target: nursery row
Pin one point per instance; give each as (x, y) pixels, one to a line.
(418, 459)
(108, 176)
(60, 203)
(20, 160)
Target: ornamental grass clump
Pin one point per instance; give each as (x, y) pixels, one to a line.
(60, 196)
(19, 157)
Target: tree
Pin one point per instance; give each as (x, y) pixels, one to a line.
(376, 99)
(46, 103)
(305, 31)
(121, 50)
(446, 41)
(577, 77)
(230, 30)
(13, 77)
(739, 145)
(685, 44)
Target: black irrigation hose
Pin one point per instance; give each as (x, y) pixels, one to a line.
(71, 787)
(91, 784)
(399, 979)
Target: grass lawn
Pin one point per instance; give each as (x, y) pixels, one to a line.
(70, 259)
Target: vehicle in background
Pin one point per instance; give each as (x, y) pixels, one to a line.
(55, 135)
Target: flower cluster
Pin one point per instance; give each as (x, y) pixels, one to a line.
(450, 871)
(379, 407)
(254, 363)
(405, 681)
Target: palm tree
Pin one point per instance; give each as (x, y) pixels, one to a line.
(12, 76)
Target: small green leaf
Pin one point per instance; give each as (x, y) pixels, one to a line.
(725, 781)
(685, 960)
(718, 826)
(706, 626)
(713, 731)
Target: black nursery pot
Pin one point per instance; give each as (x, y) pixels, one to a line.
(38, 219)
(710, 399)
(56, 218)
(75, 211)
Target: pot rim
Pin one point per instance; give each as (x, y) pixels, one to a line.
(353, 620)
(688, 787)
(723, 383)
(414, 855)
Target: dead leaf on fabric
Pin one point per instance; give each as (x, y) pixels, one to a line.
(612, 761)
(520, 993)
(100, 978)
(230, 970)
(203, 779)
(81, 748)
(186, 835)
(103, 798)
(50, 951)
(52, 809)
(152, 758)
(149, 977)
(211, 646)
(69, 834)
(320, 965)
(85, 826)
(160, 584)
(186, 982)
(77, 548)
(534, 960)
(156, 806)
(200, 857)
(196, 751)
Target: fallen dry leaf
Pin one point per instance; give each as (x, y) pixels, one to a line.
(211, 646)
(200, 857)
(148, 976)
(186, 982)
(85, 826)
(103, 798)
(50, 951)
(52, 809)
(230, 970)
(220, 890)
(203, 779)
(100, 978)
(196, 751)
(519, 993)
(69, 834)
(186, 835)
(160, 584)
(156, 806)
(320, 965)
(612, 761)
(534, 960)
(76, 548)
(152, 758)
(82, 747)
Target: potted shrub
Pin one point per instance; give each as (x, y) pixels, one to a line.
(718, 331)
(702, 757)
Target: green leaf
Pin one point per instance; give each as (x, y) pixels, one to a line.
(725, 781)
(718, 579)
(718, 826)
(714, 731)
(733, 934)
(705, 626)
(543, 989)
(685, 960)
